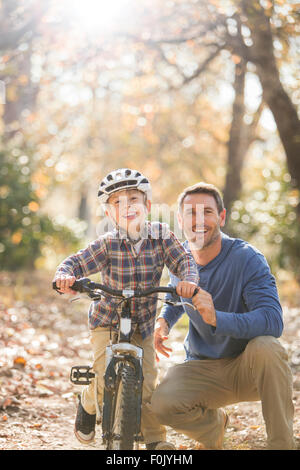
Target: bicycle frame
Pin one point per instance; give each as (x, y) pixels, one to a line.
(120, 353)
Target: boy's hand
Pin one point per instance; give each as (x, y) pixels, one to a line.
(161, 333)
(63, 283)
(186, 289)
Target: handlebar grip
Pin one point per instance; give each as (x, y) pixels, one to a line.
(196, 291)
(54, 286)
(78, 285)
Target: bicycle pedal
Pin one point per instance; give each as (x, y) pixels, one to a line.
(81, 375)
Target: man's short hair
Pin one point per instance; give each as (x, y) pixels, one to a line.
(202, 188)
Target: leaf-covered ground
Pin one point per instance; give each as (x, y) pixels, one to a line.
(42, 335)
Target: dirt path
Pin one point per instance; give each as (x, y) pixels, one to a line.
(41, 338)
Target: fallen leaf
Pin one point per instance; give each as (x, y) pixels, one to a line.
(199, 446)
(19, 361)
(32, 352)
(7, 401)
(49, 388)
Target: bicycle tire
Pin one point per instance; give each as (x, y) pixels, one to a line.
(125, 410)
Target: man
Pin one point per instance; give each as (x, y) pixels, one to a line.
(231, 347)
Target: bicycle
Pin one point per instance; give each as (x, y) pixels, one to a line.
(123, 377)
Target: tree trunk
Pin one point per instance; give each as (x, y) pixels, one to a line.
(236, 151)
(83, 210)
(26, 95)
(277, 99)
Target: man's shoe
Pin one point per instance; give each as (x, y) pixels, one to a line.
(160, 445)
(84, 425)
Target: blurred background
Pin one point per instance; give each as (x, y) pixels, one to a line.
(184, 90)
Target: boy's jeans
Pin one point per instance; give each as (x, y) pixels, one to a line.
(150, 427)
(190, 394)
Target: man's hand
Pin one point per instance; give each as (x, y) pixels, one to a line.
(63, 283)
(186, 289)
(205, 306)
(161, 332)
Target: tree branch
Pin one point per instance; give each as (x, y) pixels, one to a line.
(9, 39)
(202, 67)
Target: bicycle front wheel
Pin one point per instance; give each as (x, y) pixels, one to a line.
(125, 409)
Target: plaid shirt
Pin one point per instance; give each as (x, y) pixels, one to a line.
(122, 268)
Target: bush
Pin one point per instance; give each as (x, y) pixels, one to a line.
(24, 229)
(268, 218)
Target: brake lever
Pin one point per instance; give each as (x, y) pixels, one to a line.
(189, 305)
(74, 299)
(90, 295)
(180, 304)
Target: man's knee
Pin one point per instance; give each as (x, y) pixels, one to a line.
(266, 348)
(162, 403)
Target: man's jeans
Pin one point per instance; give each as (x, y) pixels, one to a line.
(189, 396)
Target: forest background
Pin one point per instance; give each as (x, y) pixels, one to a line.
(183, 90)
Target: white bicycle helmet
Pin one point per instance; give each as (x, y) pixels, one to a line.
(120, 179)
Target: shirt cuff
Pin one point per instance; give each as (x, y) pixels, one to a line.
(191, 278)
(168, 319)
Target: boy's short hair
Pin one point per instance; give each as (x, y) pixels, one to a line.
(202, 188)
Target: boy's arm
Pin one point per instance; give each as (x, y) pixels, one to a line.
(179, 261)
(90, 260)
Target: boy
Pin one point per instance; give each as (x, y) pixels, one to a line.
(132, 255)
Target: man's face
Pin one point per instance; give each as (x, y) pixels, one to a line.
(128, 209)
(200, 220)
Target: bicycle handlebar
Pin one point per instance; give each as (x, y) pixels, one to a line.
(86, 285)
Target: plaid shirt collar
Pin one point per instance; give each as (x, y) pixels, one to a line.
(146, 232)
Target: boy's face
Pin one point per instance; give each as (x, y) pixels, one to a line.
(129, 209)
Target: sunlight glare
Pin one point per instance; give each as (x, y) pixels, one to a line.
(95, 14)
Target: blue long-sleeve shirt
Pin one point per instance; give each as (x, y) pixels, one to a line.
(245, 298)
